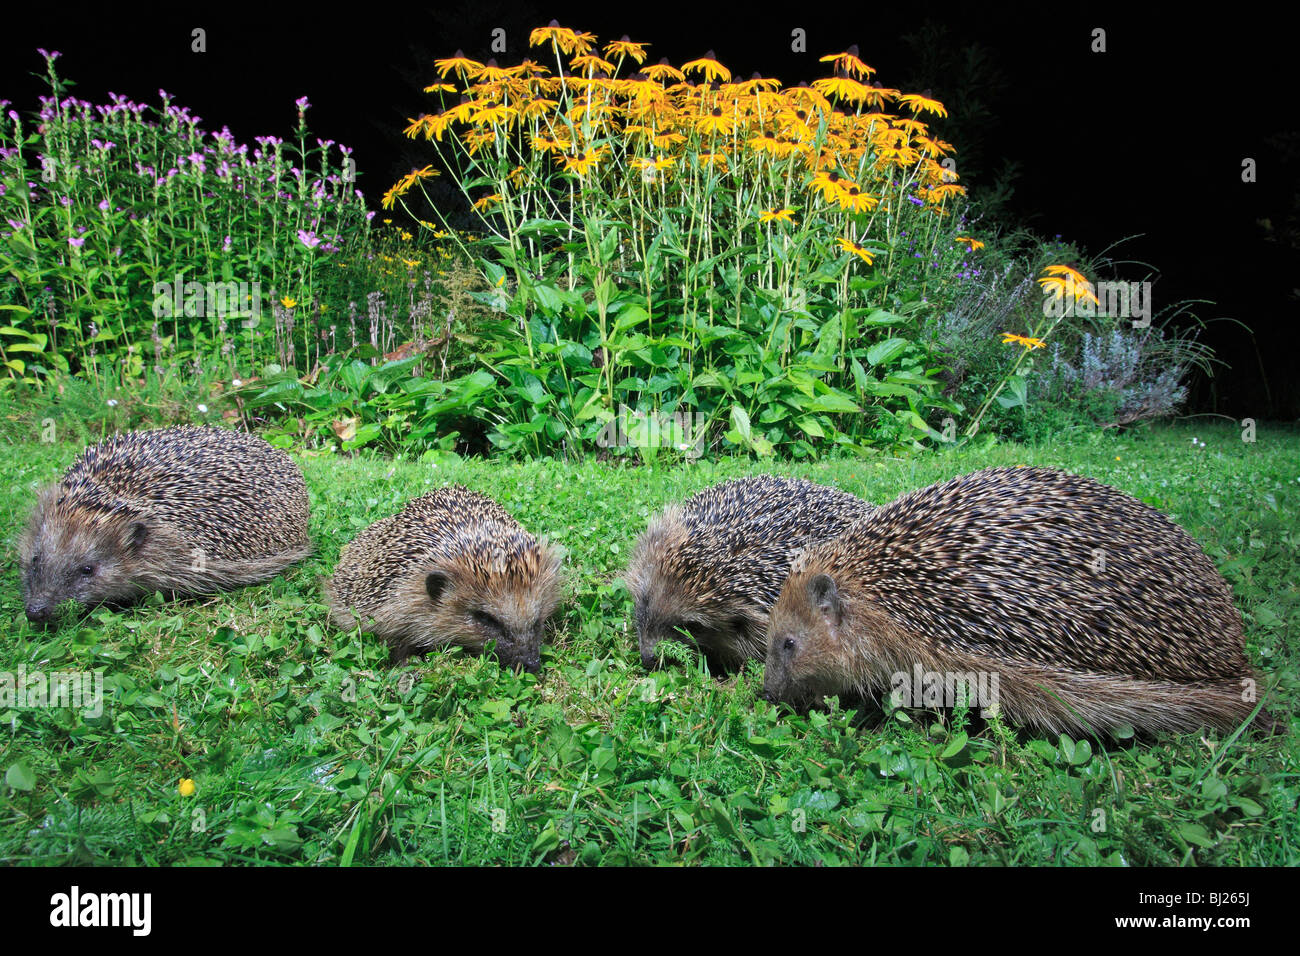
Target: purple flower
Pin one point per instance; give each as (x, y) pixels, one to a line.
(16, 224)
(103, 205)
(302, 104)
(76, 242)
(308, 239)
(225, 246)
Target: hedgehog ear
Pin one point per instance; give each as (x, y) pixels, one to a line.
(135, 536)
(435, 584)
(825, 596)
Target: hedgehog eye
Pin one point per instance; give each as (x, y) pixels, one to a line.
(789, 645)
(486, 619)
(87, 569)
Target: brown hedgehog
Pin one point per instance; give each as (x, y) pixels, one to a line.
(713, 565)
(452, 567)
(1085, 609)
(184, 510)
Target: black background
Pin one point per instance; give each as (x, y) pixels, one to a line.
(1144, 140)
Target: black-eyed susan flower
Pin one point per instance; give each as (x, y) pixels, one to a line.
(624, 47)
(922, 103)
(843, 88)
(490, 72)
(663, 71)
(1029, 343)
(851, 247)
(776, 215)
(581, 165)
(493, 115)
(974, 245)
(460, 63)
(716, 121)
(588, 64)
(1064, 281)
(848, 62)
(852, 198)
(709, 66)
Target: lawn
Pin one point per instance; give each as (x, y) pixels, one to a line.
(305, 746)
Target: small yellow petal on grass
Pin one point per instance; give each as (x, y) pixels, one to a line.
(186, 787)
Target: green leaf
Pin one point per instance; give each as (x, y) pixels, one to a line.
(1196, 834)
(886, 351)
(1017, 386)
(20, 776)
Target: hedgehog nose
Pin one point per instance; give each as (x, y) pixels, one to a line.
(39, 613)
(648, 660)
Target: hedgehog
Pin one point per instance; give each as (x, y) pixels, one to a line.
(185, 510)
(452, 567)
(713, 566)
(1082, 608)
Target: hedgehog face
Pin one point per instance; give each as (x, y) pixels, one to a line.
(90, 563)
(723, 634)
(505, 608)
(808, 656)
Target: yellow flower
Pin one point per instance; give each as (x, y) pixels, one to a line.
(440, 88)
(416, 125)
(776, 215)
(489, 73)
(460, 63)
(288, 302)
(546, 143)
(565, 39)
(973, 244)
(625, 47)
(1065, 281)
(589, 64)
(496, 113)
(850, 197)
(186, 787)
(710, 67)
(715, 121)
(663, 70)
(862, 252)
(582, 164)
(486, 201)
(848, 62)
(843, 88)
(1008, 338)
(917, 103)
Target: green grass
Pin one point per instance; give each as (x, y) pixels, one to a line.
(307, 747)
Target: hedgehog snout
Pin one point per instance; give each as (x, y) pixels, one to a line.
(39, 612)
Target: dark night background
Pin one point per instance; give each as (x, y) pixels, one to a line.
(1147, 138)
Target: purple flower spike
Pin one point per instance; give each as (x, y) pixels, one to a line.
(308, 239)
